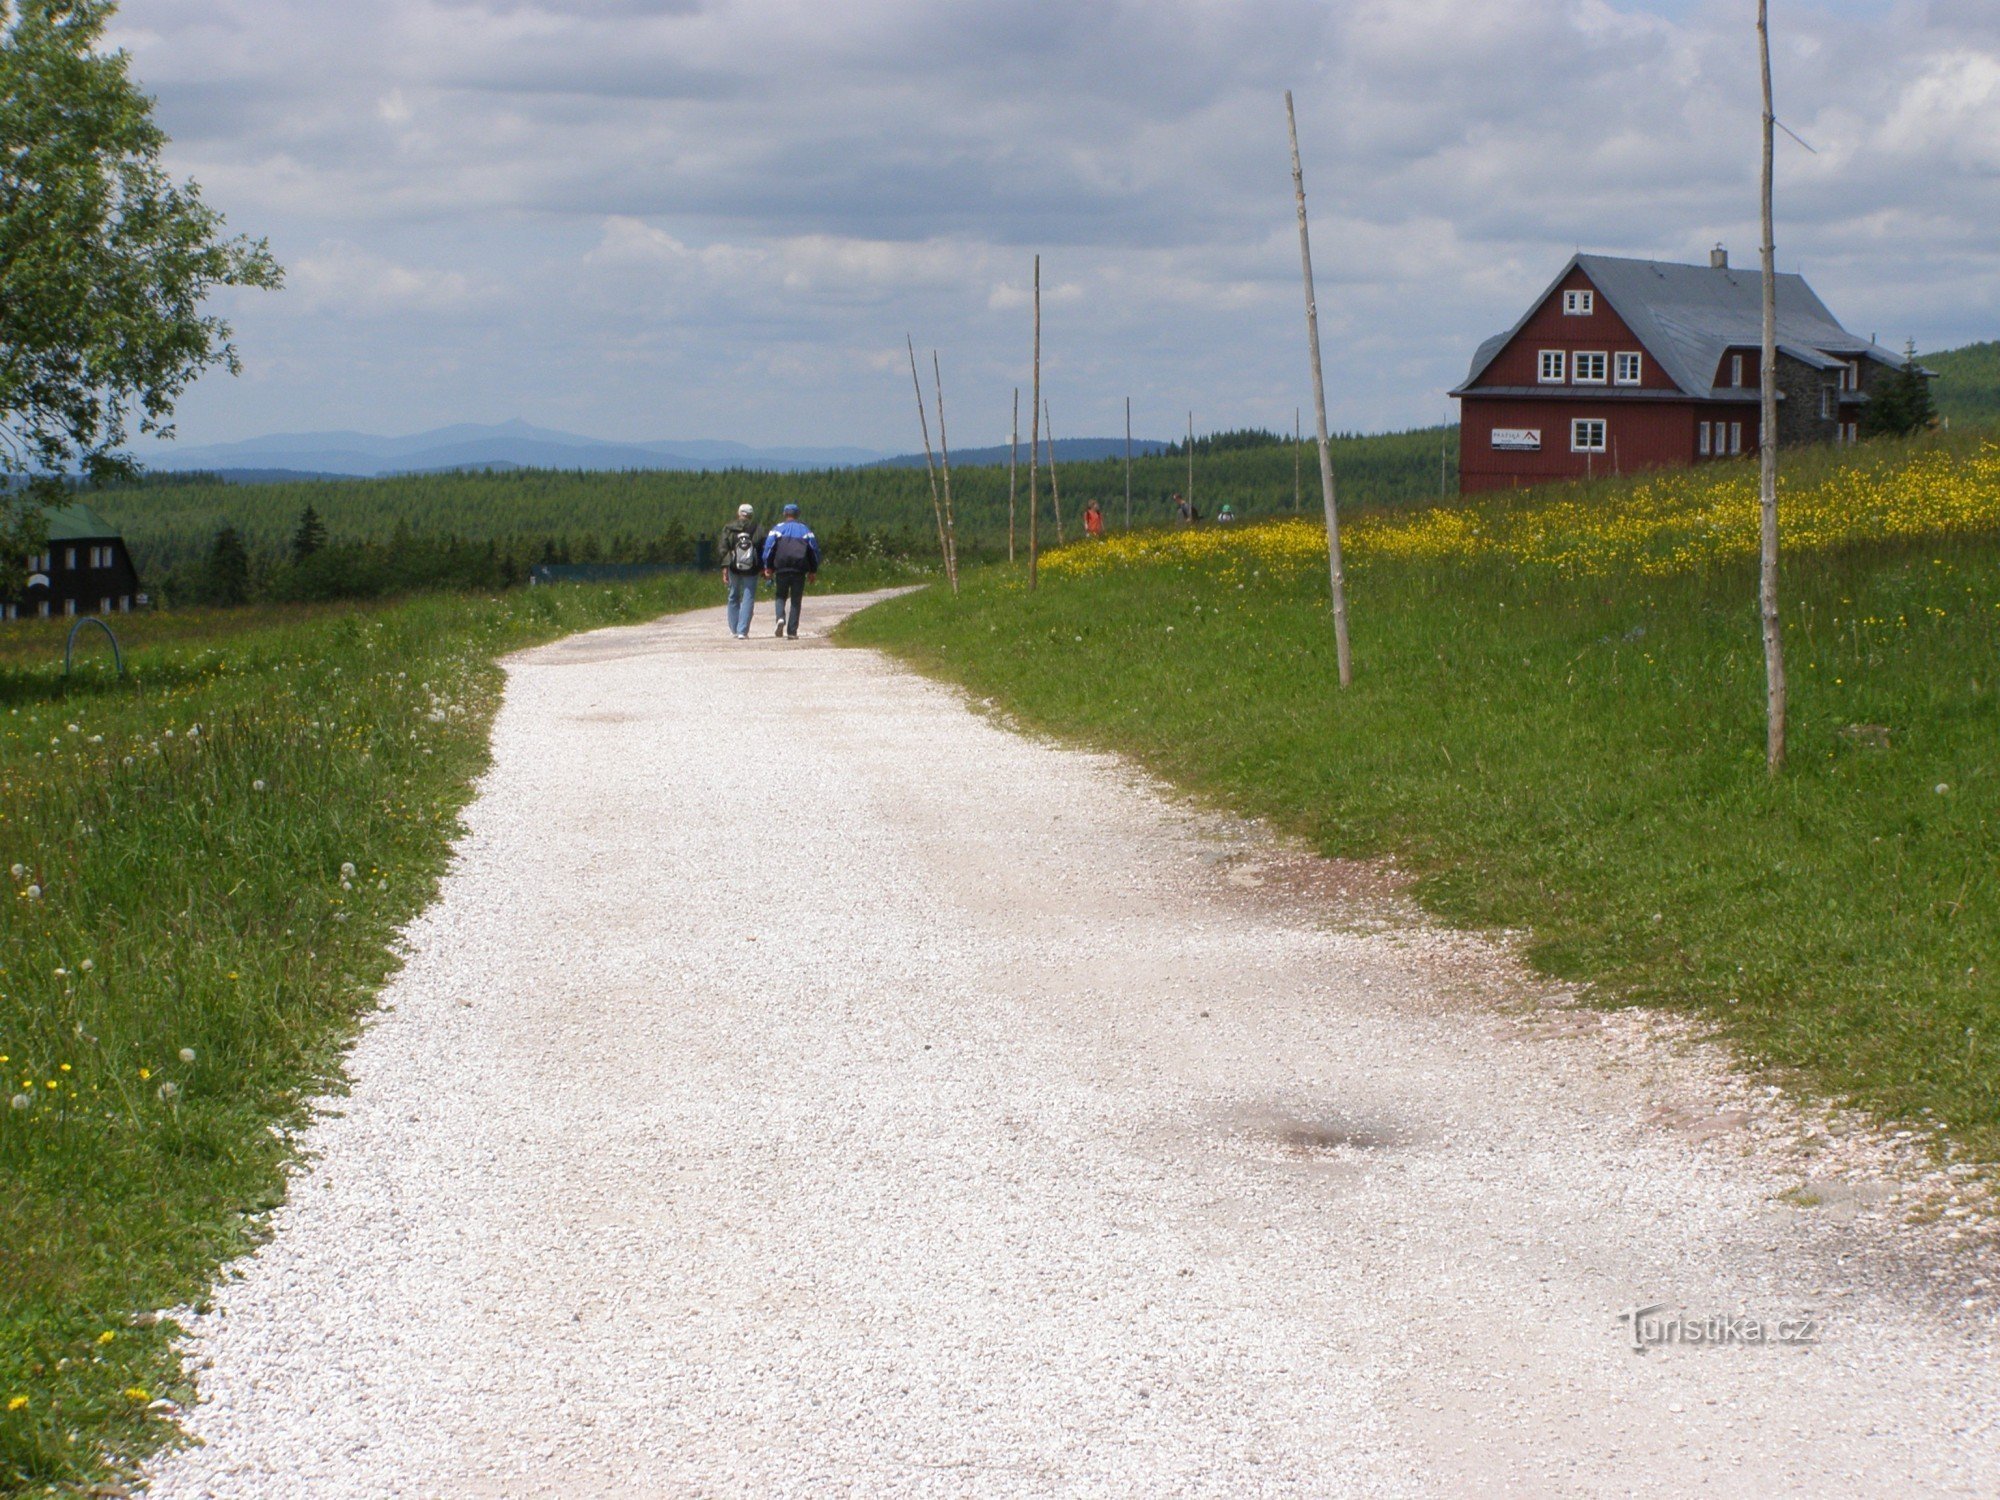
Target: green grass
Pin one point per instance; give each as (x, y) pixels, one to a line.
(169, 524)
(1584, 760)
(191, 896)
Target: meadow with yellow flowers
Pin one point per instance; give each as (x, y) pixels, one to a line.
(1557, 721)
(204, 863)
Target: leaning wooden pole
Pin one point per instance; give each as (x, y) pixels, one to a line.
(1767, 442)
(1336, 572)
(1034, 434)
(1055, 490)
(930, 464)
(1128, 463)
(1013, 467)
(1190, 459)
(944, 464)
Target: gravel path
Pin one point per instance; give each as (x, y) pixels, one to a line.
(805, 1086)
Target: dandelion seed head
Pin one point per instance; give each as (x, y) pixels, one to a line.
(170, 1091)
(20, 1101)
(187, 1054)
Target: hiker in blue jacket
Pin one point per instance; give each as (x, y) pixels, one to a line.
(791, 558)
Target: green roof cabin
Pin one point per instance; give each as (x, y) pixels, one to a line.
(84, 570)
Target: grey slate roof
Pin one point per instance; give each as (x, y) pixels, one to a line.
(1688, 317)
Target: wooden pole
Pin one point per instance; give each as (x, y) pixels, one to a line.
(1055, 493)
(1336, 572)
(1013, 465)
(1034, 433)
(1298, 458)
(1767, 446)
(944, 463)
(930, 465)
(1128, 463)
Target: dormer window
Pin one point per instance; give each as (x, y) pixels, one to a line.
(1579, 304)
(1736, 369)
(1553, 367)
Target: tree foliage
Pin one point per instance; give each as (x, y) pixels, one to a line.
(105, 260)
(310, 536)
(1900, 403)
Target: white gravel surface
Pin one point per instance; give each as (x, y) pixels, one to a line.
(805, 1086)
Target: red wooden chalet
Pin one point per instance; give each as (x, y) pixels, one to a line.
(1637, 364)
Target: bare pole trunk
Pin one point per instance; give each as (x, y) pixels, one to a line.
(930, 464)
(1337, 573)
(1128, 463)
(1767, 446)
(1055, 493)
(1034, 434)
(1013, 466)
(944, 463)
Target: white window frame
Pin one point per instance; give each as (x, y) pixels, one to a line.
(1559, 359)
(1826, 403)
(1580, 432)
(1627, 367)
(1579, 302)
(69, 558)
(1702, 439)
(1736, 371)
(1589, 359)
(69, 606)
(1735, 437)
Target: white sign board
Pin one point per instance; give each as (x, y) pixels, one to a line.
(1518, 439)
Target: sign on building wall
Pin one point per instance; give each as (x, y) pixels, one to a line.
(1518, 439)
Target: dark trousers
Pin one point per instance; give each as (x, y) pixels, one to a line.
(791, 594)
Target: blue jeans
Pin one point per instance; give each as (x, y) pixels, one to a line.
(742, 600)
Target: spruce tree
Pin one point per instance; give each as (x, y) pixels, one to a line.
(310, 537)
(228, 568)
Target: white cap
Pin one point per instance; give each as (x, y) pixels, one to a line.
(746, 510)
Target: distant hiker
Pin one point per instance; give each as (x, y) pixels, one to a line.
(1224, 516)
(1093, 521)
(742, 560)
(1183, 510)
(791, 557)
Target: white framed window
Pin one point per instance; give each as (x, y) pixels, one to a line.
(1586, 435)
(1579, 304)
(104, 605)
(1850, 375)
(1701, 439)
(69, 606)
(1736, 369)
(1554, 366)
(1587, 367)
(1625, 368)
(1826, 401)
(69, 558)
(1735, 437)
(45, 609)
(124, 604)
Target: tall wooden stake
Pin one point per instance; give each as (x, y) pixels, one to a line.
(1767, 446)
(1013, 464)
(944, 462)
(1336, 572)
(1128, 463)
(930, 464)
(1298, 457)
(1034, 433)
(1055, 493)
(1190, 459)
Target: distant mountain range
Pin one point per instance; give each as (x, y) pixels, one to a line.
(1067, 451)
(503, 445)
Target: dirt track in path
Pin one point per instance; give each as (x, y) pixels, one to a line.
(805, 1086)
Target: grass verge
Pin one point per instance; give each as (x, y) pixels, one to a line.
(209, 858)
(1580, 755)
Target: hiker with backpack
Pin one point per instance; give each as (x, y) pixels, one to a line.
(742, 560)
(791, 559)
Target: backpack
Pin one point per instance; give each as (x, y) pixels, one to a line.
(743, 552)
(791, 554)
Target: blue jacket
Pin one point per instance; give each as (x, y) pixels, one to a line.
(790, 547)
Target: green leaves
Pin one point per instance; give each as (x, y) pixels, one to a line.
(105, 261)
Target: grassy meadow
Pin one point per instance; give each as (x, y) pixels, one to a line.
(1557, 720)
(170, 522)
(204, 863)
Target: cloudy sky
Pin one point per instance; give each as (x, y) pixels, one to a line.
(718, 218)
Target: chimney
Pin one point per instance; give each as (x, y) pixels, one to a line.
(1718, 259)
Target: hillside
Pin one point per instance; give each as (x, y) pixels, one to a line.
(1968, 385)
(170, 523)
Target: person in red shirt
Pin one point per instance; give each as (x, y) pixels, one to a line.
(1093, 521)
